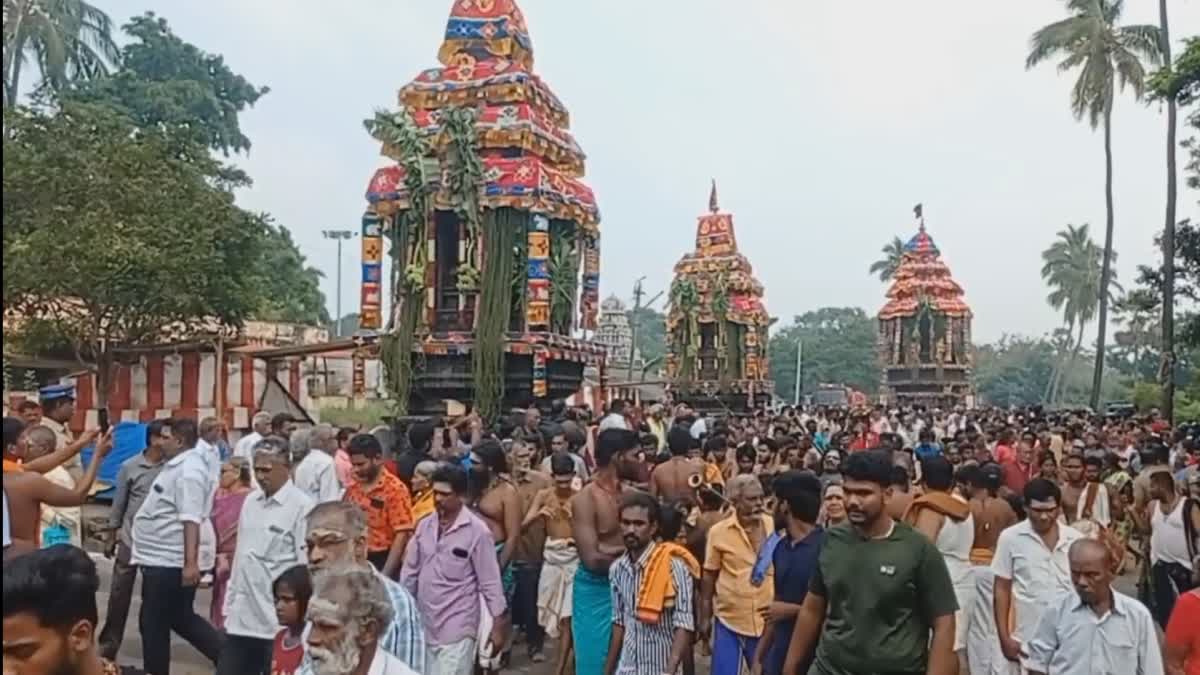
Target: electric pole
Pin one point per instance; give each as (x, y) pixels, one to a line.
(635, 314)
(339, 236)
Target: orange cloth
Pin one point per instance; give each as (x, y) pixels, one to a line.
(658, 587)
(12, 467)
(942, 502)
(712, 474)
(982, 556)
(388, 506)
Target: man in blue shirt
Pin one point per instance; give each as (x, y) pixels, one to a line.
(927, 447)
(793, 552)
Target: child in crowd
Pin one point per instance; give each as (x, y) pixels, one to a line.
(292, 590)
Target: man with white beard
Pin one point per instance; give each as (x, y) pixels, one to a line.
(349, 611)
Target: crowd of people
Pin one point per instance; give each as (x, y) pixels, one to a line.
(640, 540)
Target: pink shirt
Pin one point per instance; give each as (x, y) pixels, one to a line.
(447, 572)
(341, 464)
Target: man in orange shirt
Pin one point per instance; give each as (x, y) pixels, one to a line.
(386, 501)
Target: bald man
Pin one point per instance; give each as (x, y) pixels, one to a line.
(1095, 629)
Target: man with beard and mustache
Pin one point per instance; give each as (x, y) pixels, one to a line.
(875, 561)
(386, 501)
(594, 522)
(347, 614)
(450, 565)
(735, 617)
(50, 615)
(650, 633)
(336, 537)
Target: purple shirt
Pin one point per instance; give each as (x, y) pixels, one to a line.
(448, 571)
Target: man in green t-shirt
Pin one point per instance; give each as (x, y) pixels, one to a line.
(881, 598)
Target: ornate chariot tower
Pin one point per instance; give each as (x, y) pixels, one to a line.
(716, 324)
(924, 338)
(495, 240)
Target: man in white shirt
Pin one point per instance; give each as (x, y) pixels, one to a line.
(316, 474)
(615, 419)
(1031, 569)
(271, 532)
(1094, 630)
(167, 546)
(41, 442)
(348, 611)
(260, 428)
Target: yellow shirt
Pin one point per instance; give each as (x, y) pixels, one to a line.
(422, 506)
(737, 602)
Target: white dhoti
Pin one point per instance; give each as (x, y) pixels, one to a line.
(457, 658)
(561, 559)
(983, 642)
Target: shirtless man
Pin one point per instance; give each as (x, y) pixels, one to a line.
(991, 515)
(500, 505)
(551, 510)
(669, 482)
(594, 523)
(27, 491)
(1073, 484)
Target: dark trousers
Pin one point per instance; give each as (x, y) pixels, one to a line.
(120, 594)
(378, 558)
(1169, 581)
(168, 606)
(524, 604)
(245, 656)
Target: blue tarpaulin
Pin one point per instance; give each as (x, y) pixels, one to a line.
(129, 438)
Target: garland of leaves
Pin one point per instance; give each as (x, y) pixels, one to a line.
(518, 280)
(495, 303)
(464, 180)
(685, 302)
(564, 275)
(720, 309)
(408, 250)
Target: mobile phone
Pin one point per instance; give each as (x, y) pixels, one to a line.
(103, 415)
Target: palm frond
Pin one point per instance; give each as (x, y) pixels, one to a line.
(1057, 37)
(1143, 40)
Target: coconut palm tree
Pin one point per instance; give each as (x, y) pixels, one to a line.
(65, 40)
(886, 266)
(1109, 58)
(1072, 268)
(1168, 239)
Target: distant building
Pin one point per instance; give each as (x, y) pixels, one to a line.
(616, 334)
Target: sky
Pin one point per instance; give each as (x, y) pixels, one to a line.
(823, 123)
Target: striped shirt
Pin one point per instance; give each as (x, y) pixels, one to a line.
(404, 639)
(646, 647)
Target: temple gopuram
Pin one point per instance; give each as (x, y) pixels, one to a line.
(494, 238)
(716, 324)
(924, 340)
(616, 334)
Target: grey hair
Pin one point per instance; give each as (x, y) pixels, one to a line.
(426, 468)
(41, 436)
(300, 443)
(363, 595)
(351, 520)
(738, 484)
(261, 418)
(326, 430)
(275, 447)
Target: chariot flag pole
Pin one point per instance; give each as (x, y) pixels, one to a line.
(919, 214)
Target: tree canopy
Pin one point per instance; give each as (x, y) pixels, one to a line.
(111, 238)
(839, 348)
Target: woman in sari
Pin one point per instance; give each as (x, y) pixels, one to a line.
(227, 509)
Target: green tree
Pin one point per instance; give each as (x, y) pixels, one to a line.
(1015, 370)
(1107, 56)
(64, 40)
(114, 240)
(839, 348)
(289, 289)
(885, 268)
(164, 82)
(1134, 352)
(1181, 83)
(1072, 268)
(651, 335)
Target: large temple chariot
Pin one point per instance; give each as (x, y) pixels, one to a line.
(924, 339)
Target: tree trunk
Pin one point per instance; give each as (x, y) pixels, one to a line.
(1167, 373)
(1074, 358)
(1106, 266)
(1059, 365)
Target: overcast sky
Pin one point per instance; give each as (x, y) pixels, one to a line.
(823, 123)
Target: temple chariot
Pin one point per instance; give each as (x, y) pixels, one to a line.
(924, 340)
(494, 238)
(717, 324)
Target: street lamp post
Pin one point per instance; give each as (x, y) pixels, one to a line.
(339, 236)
